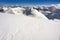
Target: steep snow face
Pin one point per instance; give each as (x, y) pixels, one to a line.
(38, 14)
(17, 10)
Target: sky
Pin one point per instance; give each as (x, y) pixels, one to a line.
(31, 2)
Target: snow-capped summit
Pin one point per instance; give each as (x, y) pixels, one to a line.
(50, 10)
(56, 5)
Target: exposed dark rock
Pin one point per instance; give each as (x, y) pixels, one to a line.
(1, 10)
(38, 8)
(27, 11)
(54, 15)
(45, 8)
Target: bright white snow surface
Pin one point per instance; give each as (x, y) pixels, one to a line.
(22, 27)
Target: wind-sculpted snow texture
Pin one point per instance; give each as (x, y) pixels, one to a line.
(29, 23)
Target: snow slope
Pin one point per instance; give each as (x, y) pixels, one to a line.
(22, 27)
(14, 27)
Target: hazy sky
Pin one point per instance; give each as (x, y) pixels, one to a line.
(29, 2)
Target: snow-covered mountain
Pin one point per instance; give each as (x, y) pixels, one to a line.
(29, 23)
(50, 11)
(56, 5)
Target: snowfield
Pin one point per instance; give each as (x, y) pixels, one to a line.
(18, 26)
